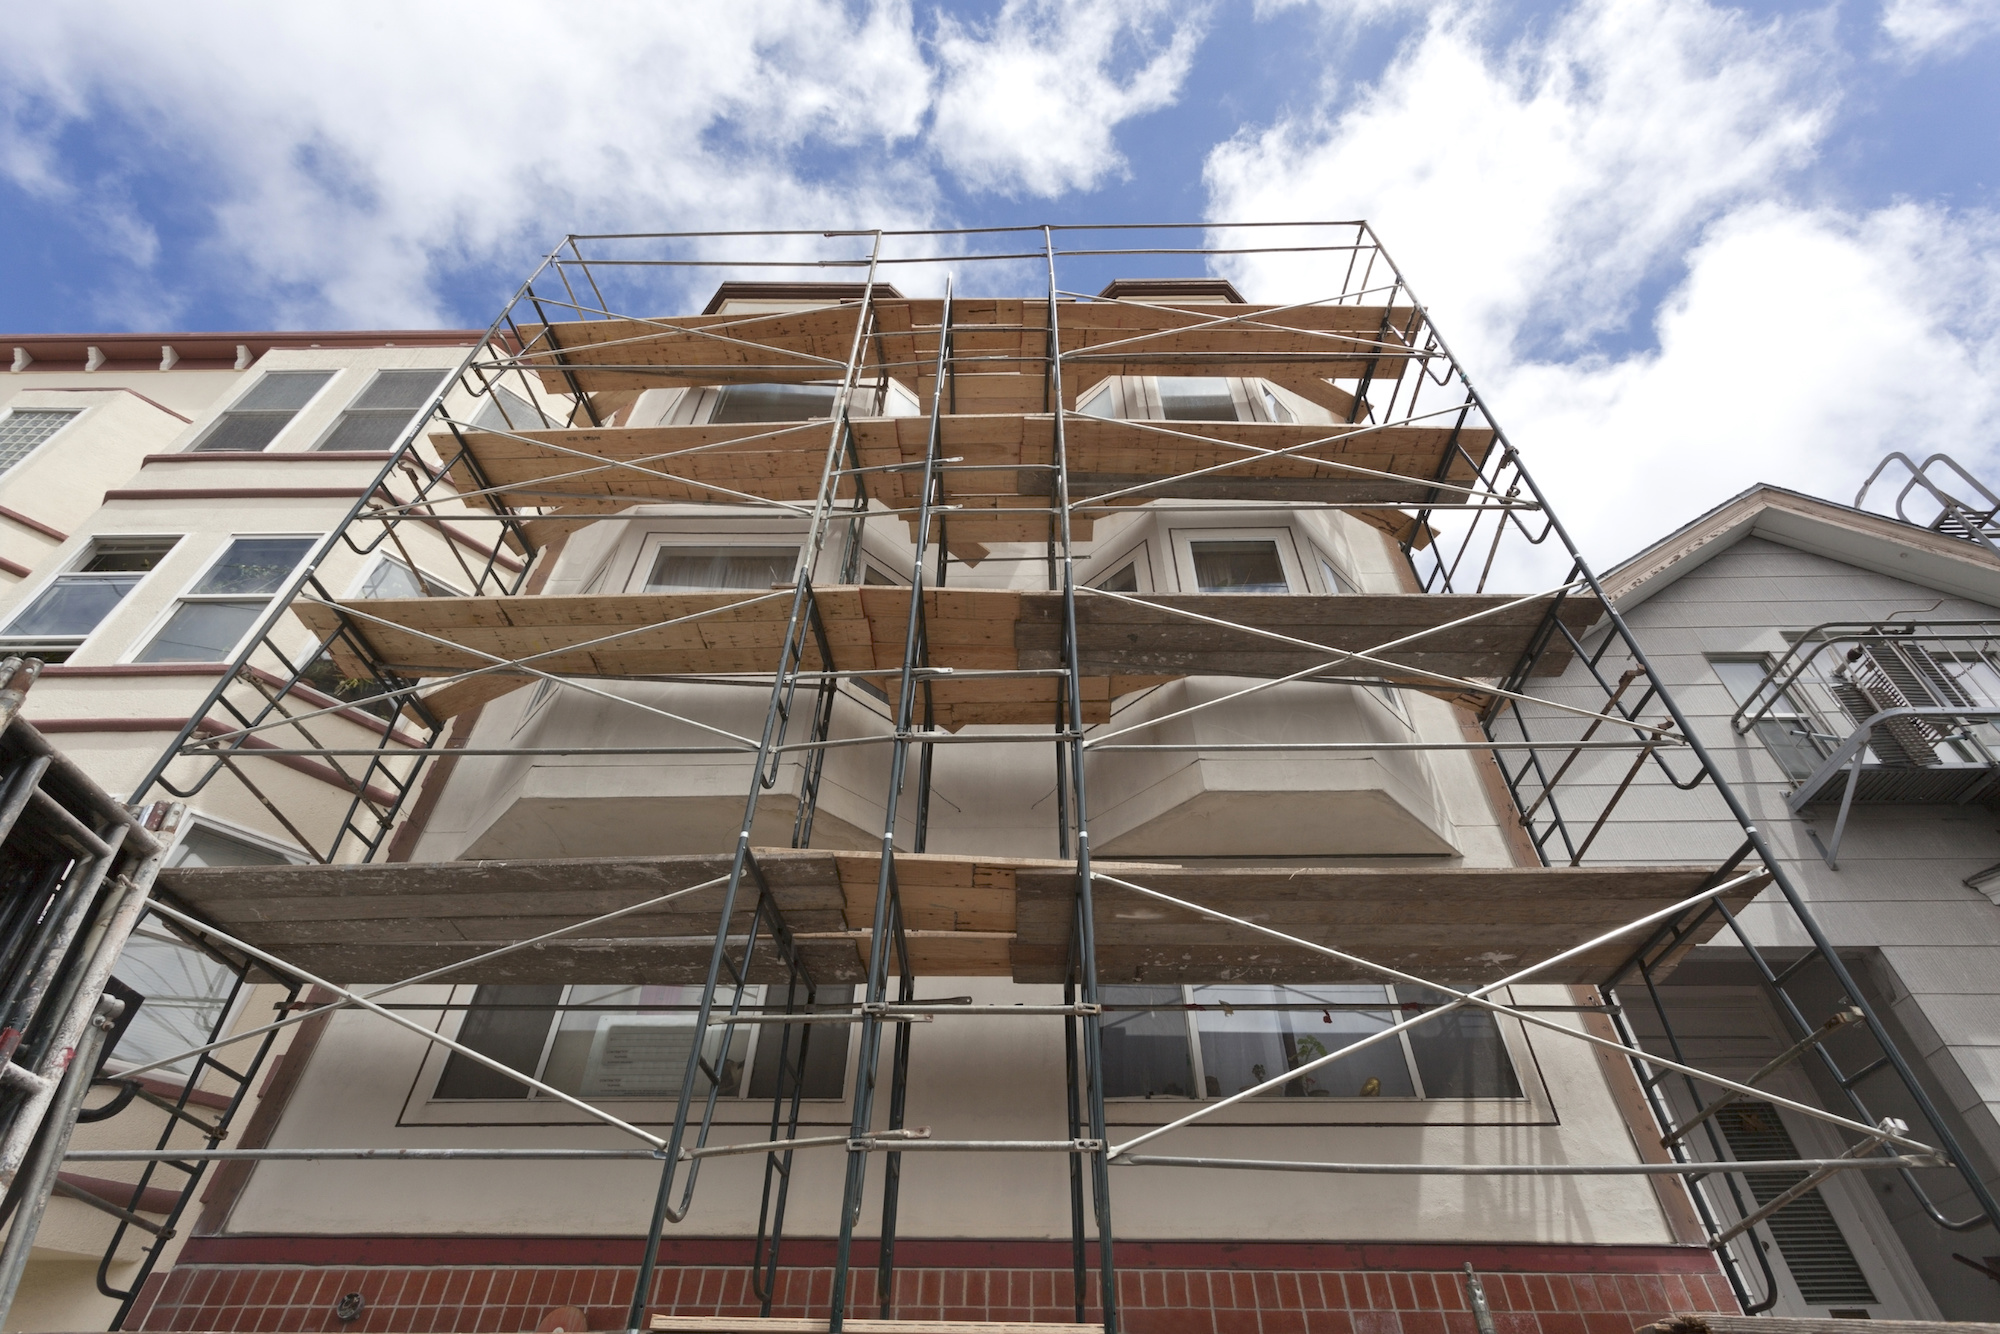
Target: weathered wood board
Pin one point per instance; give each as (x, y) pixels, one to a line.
(967, 917)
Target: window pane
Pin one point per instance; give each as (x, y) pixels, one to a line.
(1245, 1048)
(209, 847)
(185, 993)
(117, 555)
(1124, 580)
(246, 432)
(404, 390)
(1146, 1052)
(22, 430)
(202, 632)
(1103, 403)
(630, 1054)
(1275, 406)
(773, 402)
(1334, 582)
(365, 430)
(1460, 1054)
(1238, 567)
(393, 579)
(1191, 398)
(73, 604)
(283, 390)
(253, 565)
(1784, 730)
(722, 568)
(509, 1024)
(826, 1054)
(505, 410)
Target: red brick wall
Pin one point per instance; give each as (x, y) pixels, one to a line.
(1612, 1291)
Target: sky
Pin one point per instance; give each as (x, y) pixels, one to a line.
(1681, 247)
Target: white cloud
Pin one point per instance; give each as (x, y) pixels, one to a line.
(347, 154)
(1029, 104)
(1540, 198)
(1926, 27)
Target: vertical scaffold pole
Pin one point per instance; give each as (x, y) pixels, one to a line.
(791, 662)
(887, 929)
(1086, 924)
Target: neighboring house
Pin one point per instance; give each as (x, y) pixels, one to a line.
(1802, 620)
(155, 491)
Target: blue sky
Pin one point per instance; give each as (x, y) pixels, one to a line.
(1683, 246)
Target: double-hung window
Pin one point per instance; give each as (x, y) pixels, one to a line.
(505, 410)
(377, 417)
(392, 579)
(75, 603)
(24, 430)
(212, 617)
(256, 419)
(1218, 1041)
(633, 1042)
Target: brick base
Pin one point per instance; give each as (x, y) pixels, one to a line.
(1154, 1299)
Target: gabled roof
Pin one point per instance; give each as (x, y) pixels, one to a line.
(1807, 523)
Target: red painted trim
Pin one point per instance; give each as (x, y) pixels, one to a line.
(272, 679)
(325, 773)
(17, 570)
(237, 493)
(261, 456)
(807, 1252)
(118, 389)
(35, 524)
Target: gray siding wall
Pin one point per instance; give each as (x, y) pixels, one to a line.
(1899, 894)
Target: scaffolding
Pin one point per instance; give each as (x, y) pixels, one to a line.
(1000, 461)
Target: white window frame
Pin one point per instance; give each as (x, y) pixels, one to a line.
(1287, 541)
(1139, 556)
(159, 622)
(1137, 398)
(651, 543)
(696, 407)
(333, 374)
(72, 566)
(423, 1106)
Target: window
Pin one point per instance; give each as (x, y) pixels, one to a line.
(185, 990)
(1336, 582)
(629, 1042)
(1785, 729)
(226, 601)
(1274, 407)
(746, 568)
(1238, 567)
(377, 418)
(75, 603)
(505, 410)
(23, 430)
(1124, 579)
(1190, 398)
(392, 579)
(773, 402)
(1236, 1037)
(262, 413)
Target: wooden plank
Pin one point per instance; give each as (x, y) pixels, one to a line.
(704, 1324)
(1457, 924)
(968, 629)
(968, 916)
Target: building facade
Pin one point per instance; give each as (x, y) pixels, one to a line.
(953, 809)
